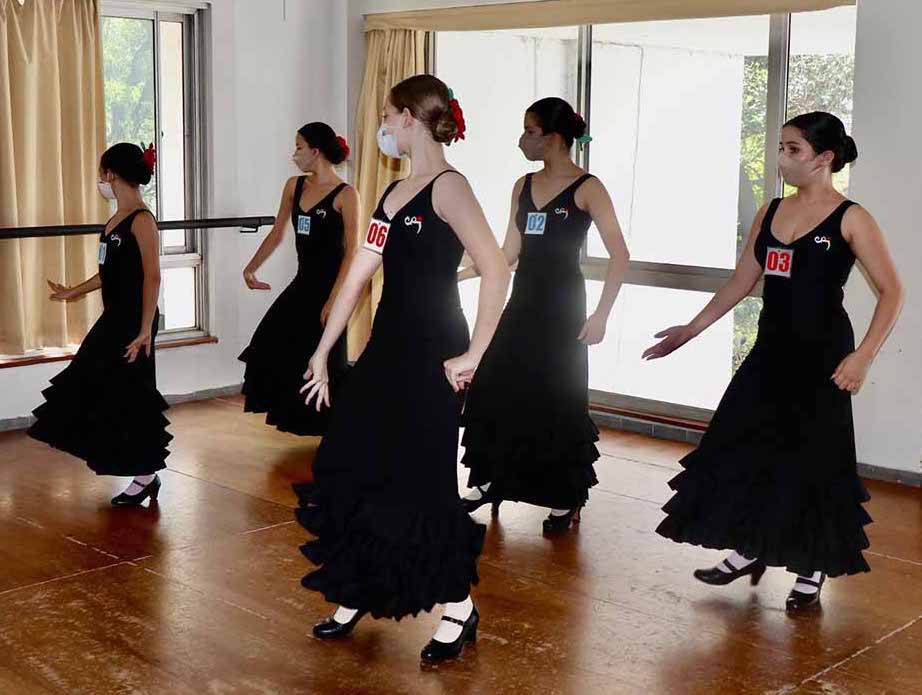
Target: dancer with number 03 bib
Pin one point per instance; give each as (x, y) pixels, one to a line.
(392, 538)
(775, 477)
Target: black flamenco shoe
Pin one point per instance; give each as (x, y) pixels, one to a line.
(152, 490)
(558, 523)
(799, 601)
(435, 651)
(330, 628)
(471, 506)
(717, 577)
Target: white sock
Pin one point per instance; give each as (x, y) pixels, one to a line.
(807, 588)
(448, 631)
(560, 512)
(343, 615)
(139, 483)
(738, 561)
(475, 494)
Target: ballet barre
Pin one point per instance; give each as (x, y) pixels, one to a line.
(247, 225)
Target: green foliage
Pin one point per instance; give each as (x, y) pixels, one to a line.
(128, 75)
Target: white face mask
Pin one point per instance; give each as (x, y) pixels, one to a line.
(387, 143)
(105, 190)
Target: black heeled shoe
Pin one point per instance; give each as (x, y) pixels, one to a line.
(152, 490)
(471, 506)
(717, 577)
(557, 523)
(330, 628)
(436, 651)
(799, 601)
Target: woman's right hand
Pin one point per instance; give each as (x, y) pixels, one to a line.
(249, 277)
(671, 340)
(318, 381)
(60, 293)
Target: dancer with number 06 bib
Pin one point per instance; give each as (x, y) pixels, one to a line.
(392, 536)
(775, 477)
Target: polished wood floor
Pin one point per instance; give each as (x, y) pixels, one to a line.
(200, 594)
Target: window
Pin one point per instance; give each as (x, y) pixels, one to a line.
(151, 96)
(685, 117)
(534, 63)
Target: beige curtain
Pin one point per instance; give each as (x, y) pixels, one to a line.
(391, 56)
(52, 132)
(551, 13)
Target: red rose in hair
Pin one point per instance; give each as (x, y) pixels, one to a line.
(343, 145)
(150, 157)
(458, 115)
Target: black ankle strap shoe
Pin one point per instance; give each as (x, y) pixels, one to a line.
(436, 651)
(799, 601)
(330, 628)
(718, 577)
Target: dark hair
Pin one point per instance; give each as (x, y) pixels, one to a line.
(555, 115)
(826, 133)
(126, 160)
(428, 99)
(322, 137)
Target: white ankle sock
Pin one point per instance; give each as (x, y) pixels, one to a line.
(560, 512)
(343, 615)
(807, 588)
(738, 561)
(448, 631)
(475, 494)
(139, 483)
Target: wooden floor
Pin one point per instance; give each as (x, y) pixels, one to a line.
(201, 595)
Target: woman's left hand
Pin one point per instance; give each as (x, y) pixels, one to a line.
(460, 370)
(593, 331)
(851, 372)
(142, 342)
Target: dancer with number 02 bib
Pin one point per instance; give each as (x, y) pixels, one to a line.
(775, 477)
(392, 536)
(528, 436)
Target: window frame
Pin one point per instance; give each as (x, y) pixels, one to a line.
(668, 275)
(193, 253)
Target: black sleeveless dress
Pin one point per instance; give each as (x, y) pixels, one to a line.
(527, 426)
(286, 338)
(392, 536)
(101, 408)
(775, 476)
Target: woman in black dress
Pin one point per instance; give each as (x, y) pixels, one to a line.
(775, 477)
(528, 436)
(105, 407)
(392, 536)
(324, 215)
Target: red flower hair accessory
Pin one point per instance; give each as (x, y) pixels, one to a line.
(457, 114)
(150, 157)
(344, 146)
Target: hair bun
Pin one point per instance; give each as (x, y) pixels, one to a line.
(849, 150)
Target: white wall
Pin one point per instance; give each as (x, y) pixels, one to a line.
(271, 74)
(886, 180)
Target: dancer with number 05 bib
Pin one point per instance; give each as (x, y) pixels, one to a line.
(775, 477)
(392, 536)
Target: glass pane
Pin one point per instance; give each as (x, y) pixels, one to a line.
(178, 302)
(678, 126)
(172, 159)
(821, 72)
(128, 73)
(695, 375)
(523, 65)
